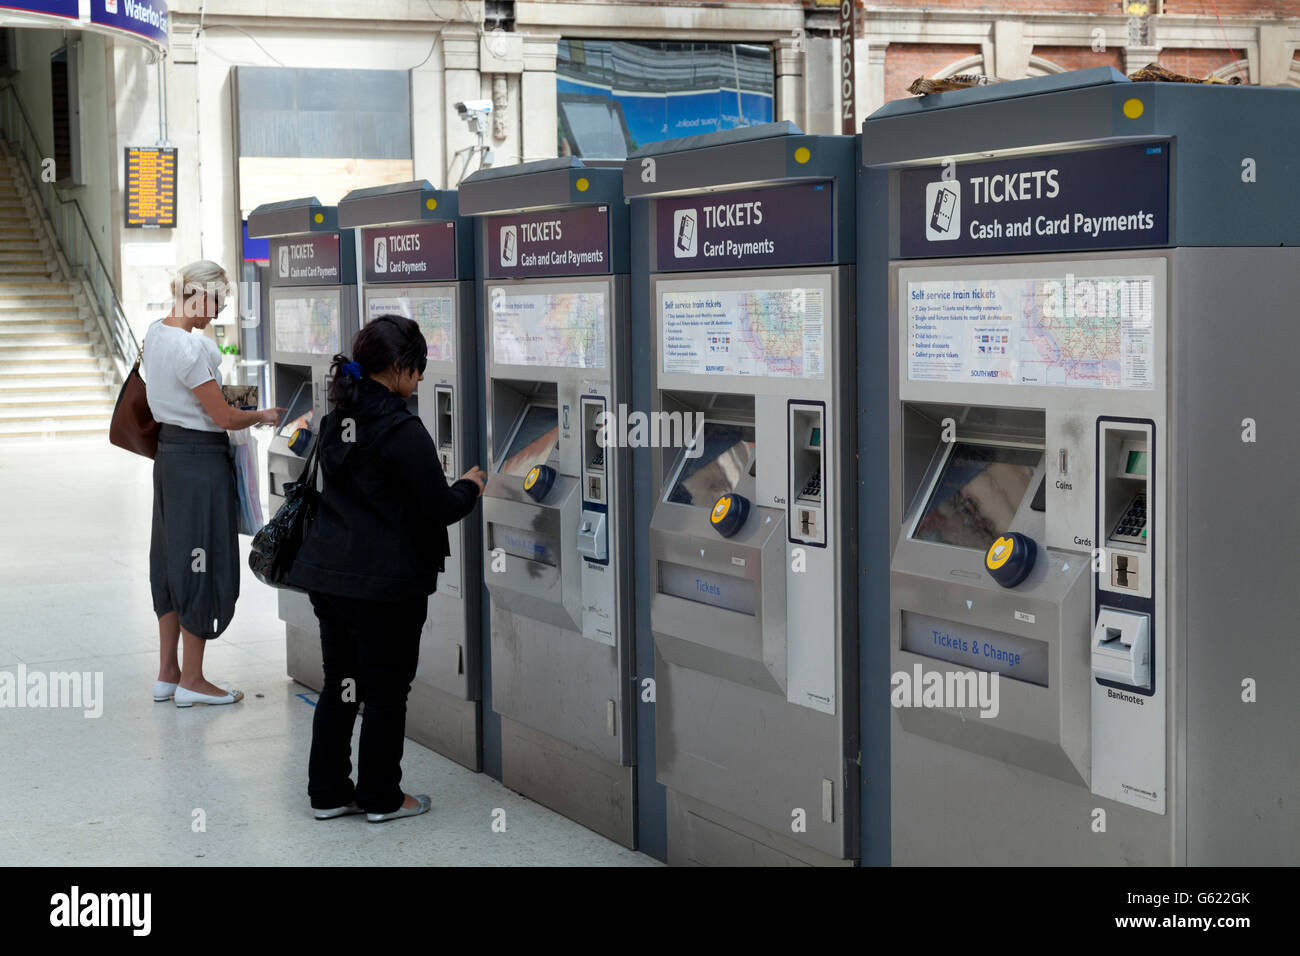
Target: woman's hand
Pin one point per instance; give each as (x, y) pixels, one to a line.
(478, 476)
(270, 416)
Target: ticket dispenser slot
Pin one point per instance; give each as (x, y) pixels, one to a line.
(807, 488)
(723, 595)
(525, 531)
(443, 424)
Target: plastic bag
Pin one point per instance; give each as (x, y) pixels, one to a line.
(247, 480)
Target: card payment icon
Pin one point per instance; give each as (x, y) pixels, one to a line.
(381, 254)
(942, 211)
(509, 246)
(685, 236)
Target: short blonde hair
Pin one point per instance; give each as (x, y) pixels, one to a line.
(201, 275)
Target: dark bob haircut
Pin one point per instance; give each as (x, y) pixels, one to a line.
(386, 342)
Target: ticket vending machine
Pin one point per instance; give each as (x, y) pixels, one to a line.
(746, 239)
(313, 314)
(1090, 284)
(417, 258)
(552, 274)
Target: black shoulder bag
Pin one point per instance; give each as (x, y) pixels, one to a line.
(275, 546)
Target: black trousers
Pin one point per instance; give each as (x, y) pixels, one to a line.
(370, 651)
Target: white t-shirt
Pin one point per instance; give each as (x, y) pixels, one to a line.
(176, 362)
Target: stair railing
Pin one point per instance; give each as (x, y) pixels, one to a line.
(71, 231)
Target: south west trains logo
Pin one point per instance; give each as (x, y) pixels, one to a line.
(942, 211)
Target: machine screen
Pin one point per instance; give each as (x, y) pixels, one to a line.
(728, 454)
(536, 439)
(977, 495)
(1137, 463)
(298, 413)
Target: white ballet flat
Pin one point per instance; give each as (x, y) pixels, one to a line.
(422, 805)
(188, 698)
(163, 691)
(338, 812)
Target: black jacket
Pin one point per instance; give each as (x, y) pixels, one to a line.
(381, 531)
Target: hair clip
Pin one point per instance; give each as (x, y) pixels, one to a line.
(352, 370)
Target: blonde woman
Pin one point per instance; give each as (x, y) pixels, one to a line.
(194, 551)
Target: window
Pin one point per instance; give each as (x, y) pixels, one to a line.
(8, 51)
(65, 115)
(615, 96)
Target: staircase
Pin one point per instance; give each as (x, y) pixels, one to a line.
(55, 377)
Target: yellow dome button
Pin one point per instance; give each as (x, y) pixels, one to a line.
(531, 479)
(431, 203)
(1133, 108)
(721, 508)
(802, 155)
(999, 553)
(320, 217)
(583, 183)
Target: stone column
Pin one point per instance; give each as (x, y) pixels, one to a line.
(1137, 57)
(1275, 54)
(537, 107)
(871, 91)
(789, 79)
(428, 132)
(461, 81)
(821, 64)
(1010, 52)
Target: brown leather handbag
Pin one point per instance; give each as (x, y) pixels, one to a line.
(133, 426)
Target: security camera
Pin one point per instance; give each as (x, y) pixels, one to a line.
(475, 113)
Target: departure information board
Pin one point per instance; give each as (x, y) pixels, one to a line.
(150, 188)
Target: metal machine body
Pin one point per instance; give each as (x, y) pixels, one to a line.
(417, 257)
(746, 242)
(1091, 415)
(312, 316)
(557, 545)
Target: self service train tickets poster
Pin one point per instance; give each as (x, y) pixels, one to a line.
(1071, 331)
(435, 314)
(775, 333)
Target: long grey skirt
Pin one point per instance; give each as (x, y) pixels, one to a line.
(194, 552)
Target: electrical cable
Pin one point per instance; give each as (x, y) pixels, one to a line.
(1224, 33)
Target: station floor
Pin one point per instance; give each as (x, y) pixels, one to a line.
(150, 784)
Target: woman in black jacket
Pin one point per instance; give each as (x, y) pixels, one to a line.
(369, 562)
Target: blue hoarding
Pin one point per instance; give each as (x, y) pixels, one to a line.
(54, 8)
(144, 18)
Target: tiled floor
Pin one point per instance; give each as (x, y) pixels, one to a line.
(148, 783)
